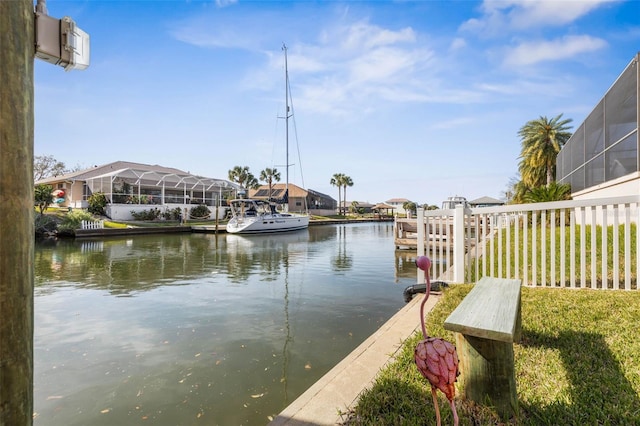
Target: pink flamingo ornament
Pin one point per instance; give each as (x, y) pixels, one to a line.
(436, 358)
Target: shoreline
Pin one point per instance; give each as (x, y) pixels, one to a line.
(329, 400)
(220, 229)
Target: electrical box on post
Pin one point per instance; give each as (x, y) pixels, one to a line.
(62, 42)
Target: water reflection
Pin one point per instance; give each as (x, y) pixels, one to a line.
(215, 329)
(342, 260)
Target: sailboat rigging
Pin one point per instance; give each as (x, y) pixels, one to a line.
(261, 216)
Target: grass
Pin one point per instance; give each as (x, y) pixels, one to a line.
(593, 254)
(578, 363)
(114, 225)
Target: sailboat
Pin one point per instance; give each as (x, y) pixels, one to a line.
(254, 216)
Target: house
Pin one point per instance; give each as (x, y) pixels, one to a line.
(298, 198)
(397, 204)
(602, 159)
(485, 202)
(131, 186)
(363, 205)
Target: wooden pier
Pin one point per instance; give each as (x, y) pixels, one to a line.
(405, 233)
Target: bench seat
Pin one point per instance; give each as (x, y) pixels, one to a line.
(486, 324)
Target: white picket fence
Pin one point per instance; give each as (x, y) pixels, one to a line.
(576, 244)
(87, 224)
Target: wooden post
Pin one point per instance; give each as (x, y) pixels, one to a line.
(217, 213)
(458, 244)
(486, 324)
(16, 212)
(488, 373)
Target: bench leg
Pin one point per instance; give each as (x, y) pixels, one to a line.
(487, 373)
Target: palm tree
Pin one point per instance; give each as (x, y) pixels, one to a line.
(243, 177)
(269, 175)
(541, 141)
(552, 192)
(409, 207)
(346, 181)
(354, 207)
(337, 180)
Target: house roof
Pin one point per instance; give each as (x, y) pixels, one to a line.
(397, 200)
(485, 200)
(142, 174)
(277, 191)
(381, 206)
(320, 194)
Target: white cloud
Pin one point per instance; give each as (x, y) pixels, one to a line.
(458, 43)
(498, 15)
(225, 3)
(357, 64)
(535, 13)
(363, 35)
(529, 53)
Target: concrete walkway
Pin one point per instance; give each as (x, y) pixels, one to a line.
(339, 389)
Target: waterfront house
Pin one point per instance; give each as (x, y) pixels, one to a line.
(397, 204)
(485, 202)
(130, 186)
(298, 198)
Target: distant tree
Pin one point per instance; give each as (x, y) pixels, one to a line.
(354, 207)
(337, 180)
(426, 206)
(243, 177)
(269, 176)
(43, 195)
(45, 166)
(346, 181)
(541, 141)
(409, 206)
(515, 191)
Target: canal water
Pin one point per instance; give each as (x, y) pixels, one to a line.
(204, 329)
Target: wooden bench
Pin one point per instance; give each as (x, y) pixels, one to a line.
(486, 324)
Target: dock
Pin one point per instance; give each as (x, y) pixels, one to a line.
(405, 233)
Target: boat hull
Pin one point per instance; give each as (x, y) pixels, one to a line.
(268, 223)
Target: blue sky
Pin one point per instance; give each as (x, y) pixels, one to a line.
(411, 99)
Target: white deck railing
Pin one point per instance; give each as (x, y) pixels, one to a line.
(577, 243)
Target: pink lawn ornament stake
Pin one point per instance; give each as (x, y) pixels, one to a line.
(436, 358)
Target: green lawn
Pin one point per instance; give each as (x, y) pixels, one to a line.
(590, 255)
(578, 363)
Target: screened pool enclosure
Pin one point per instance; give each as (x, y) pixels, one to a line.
(604, 148)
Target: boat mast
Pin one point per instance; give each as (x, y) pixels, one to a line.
(286, 121)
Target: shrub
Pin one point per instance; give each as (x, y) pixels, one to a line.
(72, 221)
(200, 212)
(173, 214)
(45, 225)
(97, 203)
(151, 214)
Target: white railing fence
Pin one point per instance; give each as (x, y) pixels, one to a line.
(88, 224)
(576, 243)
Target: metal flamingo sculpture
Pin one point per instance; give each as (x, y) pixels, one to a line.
(436, 358)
